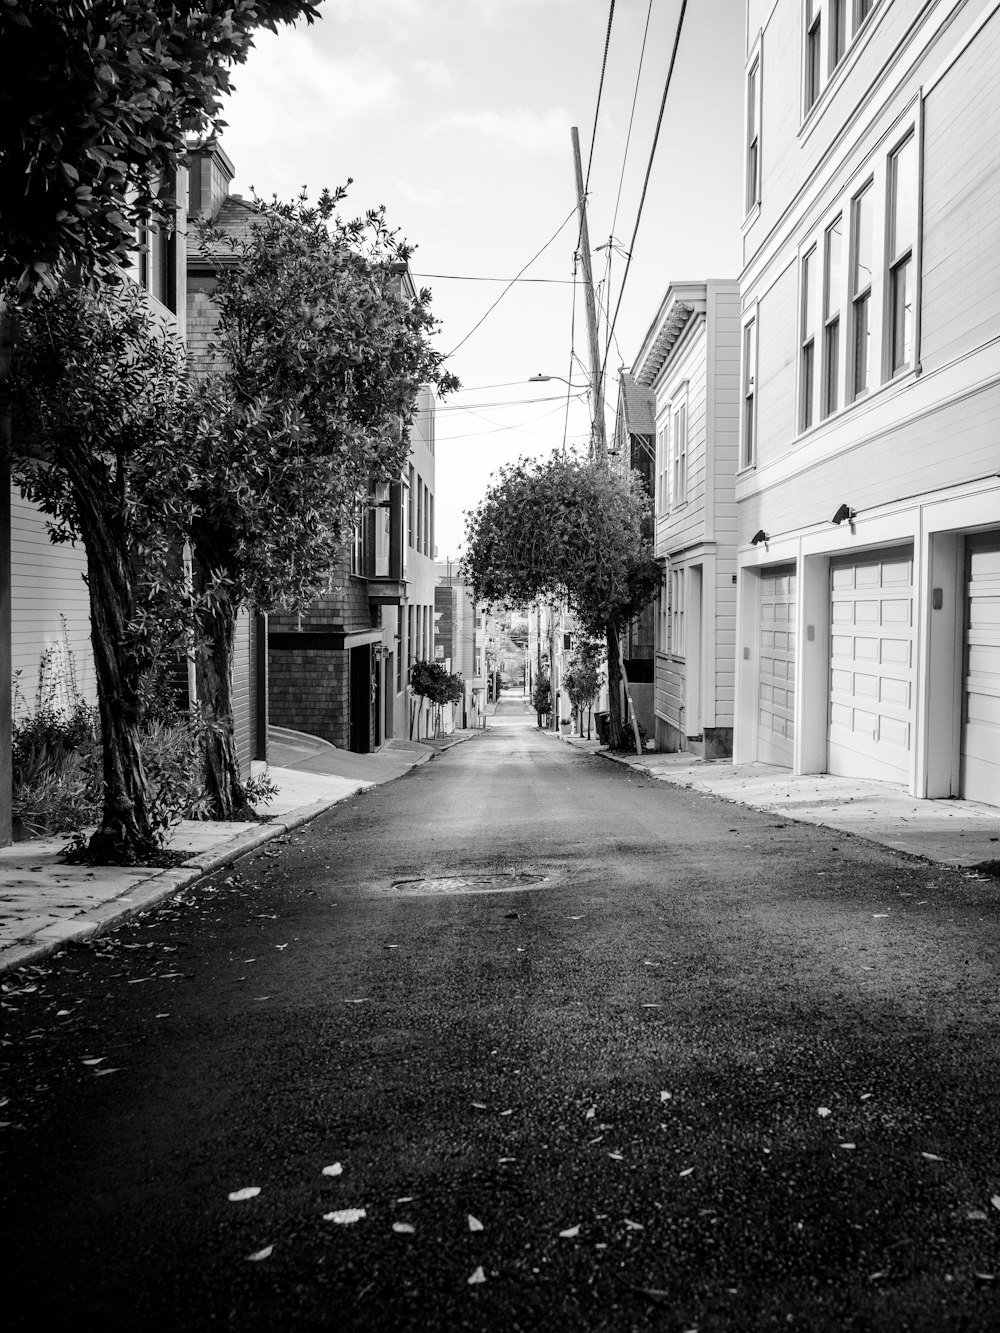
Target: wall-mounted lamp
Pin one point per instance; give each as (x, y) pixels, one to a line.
(759, 536)
(845, 514)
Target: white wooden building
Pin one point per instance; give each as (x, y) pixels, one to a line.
(690, 361)
(868, 494)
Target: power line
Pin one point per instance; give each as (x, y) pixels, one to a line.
(600, 89)
(512, 281)
(628, 136)
(465, 277)
(511, 402)
(649, 167)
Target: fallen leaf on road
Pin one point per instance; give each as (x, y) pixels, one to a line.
(652, 1006)
(877, 916)
(866, 1095)
(281, 946)
(575, 918)
(345, 1216)
(848, 1145)
(333, 1170)
(823, 1111)
(249, 1192)
(986, 1277)
(599, 1139)
(666, 1096)
(477, 1276)
(161, 1015)
(616, 1156)
(392, 946)
(995, 1201)
(404, 1228)
(931, 1157)
(95, 1061)
(115, 1069)
(406, 1198)
(507, 1112)
(687, 1171)
(365, 1000)
(474, 1223)
(508, 1159)
(977, 1215)
(265, 1253)
(569, 1233)
(634, 1226)
(480, 1106)
(591, 1113)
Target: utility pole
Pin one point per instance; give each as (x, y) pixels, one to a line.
(600, 445)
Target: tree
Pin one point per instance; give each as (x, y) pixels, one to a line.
(570, 529)
(97, 388)
(433, 682)
(582, 680)
(96, 100)
(541, 696)
(317, 358)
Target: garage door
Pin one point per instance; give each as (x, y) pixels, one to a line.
(871, 665)
(776, 685)
(981, 711)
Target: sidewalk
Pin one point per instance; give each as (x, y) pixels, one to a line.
(45, 904)
(955, 833)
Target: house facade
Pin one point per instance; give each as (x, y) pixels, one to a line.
(689, 364)
(455, 638)
(868, 494)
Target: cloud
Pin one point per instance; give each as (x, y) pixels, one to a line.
(426, 198)
(526, 131)
(435, 73)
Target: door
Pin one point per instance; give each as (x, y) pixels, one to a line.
(871, 665)
(776, 681)
(980, 780)
(361, 699)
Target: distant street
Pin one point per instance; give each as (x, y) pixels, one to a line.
(520, 1041)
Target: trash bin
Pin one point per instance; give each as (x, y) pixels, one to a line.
(602, 723)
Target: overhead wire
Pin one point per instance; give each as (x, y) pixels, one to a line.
(649, 166)
(512, 281)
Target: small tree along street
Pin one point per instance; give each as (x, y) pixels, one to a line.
(567, 529)
(683, 1065)
(318, 355)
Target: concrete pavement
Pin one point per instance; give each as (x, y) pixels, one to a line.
(45, 904)
(957, 833)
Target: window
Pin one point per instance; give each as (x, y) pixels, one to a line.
(807, 355)
(420, 515)
(677, 612)
(814, 51)
(832, 278)
(838, 32)
(663, 638)
(680, 455)
(430, 529)
(410, 502)
(753, 135)
(902, 187)
(749, 444)
(862, 245)
(662, 467)
(862, 8)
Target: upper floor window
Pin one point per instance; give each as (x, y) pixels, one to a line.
(862, 246)
(677, 644)
(679, 472)
(753, 135)
(814, 51)
(829, 27)
(807, 355)
(663, 467)
(832, 281)
(902, 188)
(748, 444)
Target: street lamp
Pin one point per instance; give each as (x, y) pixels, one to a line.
(544, 379)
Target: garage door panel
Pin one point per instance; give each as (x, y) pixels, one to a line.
(871, 685)
(981, 712)
(776, 658)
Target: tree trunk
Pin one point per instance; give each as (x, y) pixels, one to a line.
(215, 694)
(617, 678)
(128, 832)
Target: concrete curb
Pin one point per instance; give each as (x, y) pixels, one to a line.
(157, 888)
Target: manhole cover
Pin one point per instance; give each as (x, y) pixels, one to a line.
(470, 884)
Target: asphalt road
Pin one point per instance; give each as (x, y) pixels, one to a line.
(582, 1050)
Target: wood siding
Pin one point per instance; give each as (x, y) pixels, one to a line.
(775, 389)
(50, 614)
(960, 307)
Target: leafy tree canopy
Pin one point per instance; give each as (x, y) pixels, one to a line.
(432, 681)
(96, 100)
(566, 529)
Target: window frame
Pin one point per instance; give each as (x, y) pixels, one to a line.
(679, 449)
(831, 321)
(678, 641)
(860, 295)
(663, 459)
(749, 345)
(812, 63)
(753, 106)
(903, 260)
(808, 311)
(830, 30)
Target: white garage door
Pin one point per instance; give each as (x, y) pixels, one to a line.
(871, 665)
(981, 712)
(776, 685)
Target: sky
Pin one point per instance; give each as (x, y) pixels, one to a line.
(457, 115)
